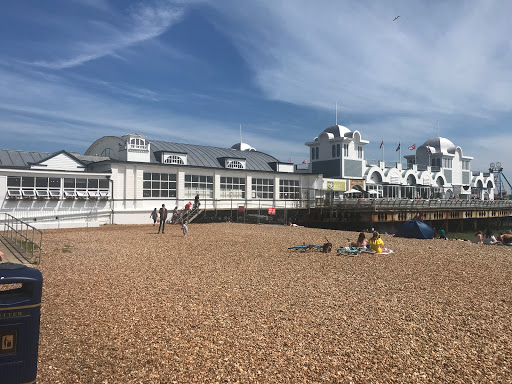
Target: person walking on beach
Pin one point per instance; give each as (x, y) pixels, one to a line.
(196, 202)
(163, 217)
(154, 216)
(184, 227)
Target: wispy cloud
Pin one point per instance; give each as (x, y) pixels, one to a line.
(437, 58)
(143, 22)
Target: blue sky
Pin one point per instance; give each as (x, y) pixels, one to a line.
(72, 71)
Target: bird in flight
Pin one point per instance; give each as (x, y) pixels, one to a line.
(396, 18)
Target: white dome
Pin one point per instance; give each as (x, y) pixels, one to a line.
(440, 144)
(243, 147)
(338, 131)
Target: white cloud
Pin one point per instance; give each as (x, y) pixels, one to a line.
(144, 22)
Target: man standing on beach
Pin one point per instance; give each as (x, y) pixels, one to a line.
(163, 217)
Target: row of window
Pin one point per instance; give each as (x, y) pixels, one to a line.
(56, 187)
(164, 185)
(336, 151)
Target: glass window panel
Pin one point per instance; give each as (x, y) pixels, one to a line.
(54, 182)
(172, 185)
(155, 176)
(146, 185)
(41, 182)
(172, 193)
(209, 179)
(92, 183)
(172, 177)
(147, 176)
(13, 181)
(155, 185)
(164, 193)
(69, 183)
(164, 185)
(103, 183)
(81, 183)
(165, 176)
(146, 193)
(155, 193)
(27, 182)
(222, 179)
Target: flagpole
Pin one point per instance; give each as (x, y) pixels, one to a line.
(399, 153)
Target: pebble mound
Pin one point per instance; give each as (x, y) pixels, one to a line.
(231, 304)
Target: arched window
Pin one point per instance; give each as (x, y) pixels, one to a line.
(234, 164)
(173, 159)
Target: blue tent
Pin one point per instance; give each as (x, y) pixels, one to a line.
(416, 229)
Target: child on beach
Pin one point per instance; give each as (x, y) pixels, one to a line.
(376, 242)
(361, 241)
(184, 227)
(478, 238)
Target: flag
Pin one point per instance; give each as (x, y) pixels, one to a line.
(304, 162)
(412, 147)
(398, 148)
(381, 144)
(429, 151)
(290, 160)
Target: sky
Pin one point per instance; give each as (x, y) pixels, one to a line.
(72, 71)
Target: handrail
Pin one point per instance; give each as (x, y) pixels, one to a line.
(22, 237)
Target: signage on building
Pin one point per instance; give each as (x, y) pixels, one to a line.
(335, 185)
(271, 211)
(241, 209)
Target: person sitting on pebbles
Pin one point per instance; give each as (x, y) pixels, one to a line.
(376, 242)
(361, 241)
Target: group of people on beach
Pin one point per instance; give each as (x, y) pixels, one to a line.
(375, 242)
(177, 216)
(488, 238)
(162, 214)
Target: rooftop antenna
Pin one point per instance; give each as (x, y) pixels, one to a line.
(240, 136)
(336, 113)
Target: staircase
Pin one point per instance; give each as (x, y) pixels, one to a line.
(191, 215)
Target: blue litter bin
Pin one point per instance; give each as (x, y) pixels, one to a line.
(20, 309)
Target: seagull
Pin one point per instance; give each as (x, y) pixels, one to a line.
(396, 18)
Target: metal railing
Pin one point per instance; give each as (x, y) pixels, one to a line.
(28, 238)
(379, 204)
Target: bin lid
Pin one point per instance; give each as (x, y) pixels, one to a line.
(13, 271)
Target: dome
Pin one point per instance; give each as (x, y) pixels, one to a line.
(338, 131)
(440, 144)
(243, 147)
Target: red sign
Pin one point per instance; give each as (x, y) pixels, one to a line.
(271, 211)
(241, 209)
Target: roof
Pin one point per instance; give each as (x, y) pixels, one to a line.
(440, 145)
(23, 159)
(206, 156)
(20, 159)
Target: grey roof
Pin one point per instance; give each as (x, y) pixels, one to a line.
(20, 159)
(206, 156)
(23, 159)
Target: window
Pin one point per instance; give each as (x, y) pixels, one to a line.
(447, 163)
(289, 189)
(263, 188)
(338, 150)
(137, 143)
(317, 150)
(234, 164)
(359, 152)
(333, 150)
(345, 150)
(232, 187)
(195, 184)
(159, 184)
(312, 153)
(465, 165)
(173, 159)
(78, 187)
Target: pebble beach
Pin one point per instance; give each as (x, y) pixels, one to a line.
(230, 303)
